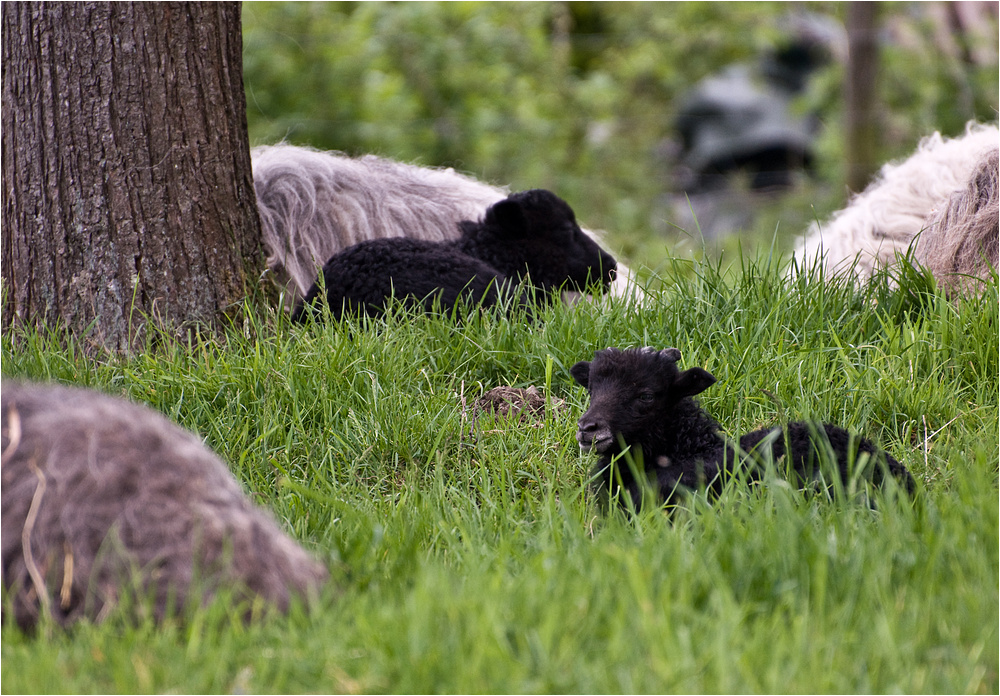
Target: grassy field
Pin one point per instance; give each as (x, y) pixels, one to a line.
(467, 554)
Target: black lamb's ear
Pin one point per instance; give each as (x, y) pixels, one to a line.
(581, 373)
(509, 216)
(693, 381)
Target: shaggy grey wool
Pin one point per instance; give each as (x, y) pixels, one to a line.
(102, 497)
(959, 242)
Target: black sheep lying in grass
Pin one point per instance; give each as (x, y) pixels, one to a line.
(101, 496)
(638, 398)
(313, 204)
(530, 236)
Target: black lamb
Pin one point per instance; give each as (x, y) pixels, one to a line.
(532, 236)
(639, 399)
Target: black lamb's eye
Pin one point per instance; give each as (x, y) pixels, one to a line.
(646, 398)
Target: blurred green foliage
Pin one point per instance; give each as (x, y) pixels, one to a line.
(576, 97)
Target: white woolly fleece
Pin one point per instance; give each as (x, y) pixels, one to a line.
(882, 221)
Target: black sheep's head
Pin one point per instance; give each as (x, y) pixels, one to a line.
(538, 234)
(633, 394)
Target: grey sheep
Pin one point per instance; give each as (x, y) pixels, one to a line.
(959, 243)
(102, 497)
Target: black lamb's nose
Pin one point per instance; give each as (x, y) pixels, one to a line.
(587, 425)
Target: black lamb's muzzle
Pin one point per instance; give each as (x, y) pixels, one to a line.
(593, 438)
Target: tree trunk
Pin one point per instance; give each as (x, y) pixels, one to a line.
(127, 188)
(861, 151)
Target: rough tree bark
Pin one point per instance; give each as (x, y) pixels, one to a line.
(127, 188)
(861, 150)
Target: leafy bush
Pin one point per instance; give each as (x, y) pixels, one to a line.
(576, 97)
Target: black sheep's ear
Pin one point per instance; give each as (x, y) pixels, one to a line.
(509, 216)
(693, 381)
(581, 373)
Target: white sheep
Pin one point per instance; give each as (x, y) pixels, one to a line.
(881, 222)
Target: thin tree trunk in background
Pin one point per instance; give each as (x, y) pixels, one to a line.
(861, 123)
(127, 187)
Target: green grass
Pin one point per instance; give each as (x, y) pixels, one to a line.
(469, 556)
